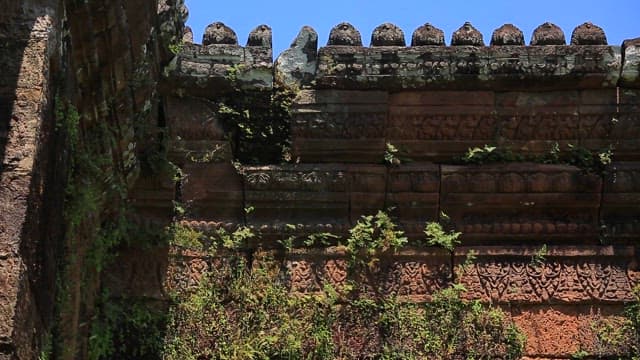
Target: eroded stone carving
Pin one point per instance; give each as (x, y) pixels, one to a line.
(415, 280)
(427, 34)
(559, 280)
(387, 34)
(260, 36)
(507, 34)
(302, 276)
(345, 34)
(588, 34)
(297, 65)
(548, 34)
(467, 35)
(219, 33)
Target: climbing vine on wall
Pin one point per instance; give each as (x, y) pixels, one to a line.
(95, 215)
(257, 122)
(243, 309)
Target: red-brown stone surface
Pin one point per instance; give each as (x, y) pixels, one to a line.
(339, 126)
(549, 275)
(552, 331)
(562, 254)
(438, 125)
(540, 202)
(620, 214)
(212, 191)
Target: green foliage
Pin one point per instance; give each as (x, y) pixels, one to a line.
(176, 48)
(590, 161)
(449, 327)
(242, 310)
(99, 168)
(257, 123)
(92, 182)
(579, 354)
(540, 256)
(249, 316)
(437, 236)
(620, 336)
(390, 155)
(186, 237)
(490, 154)
(373, 234)
(581, 157)
(323, 238)
(126, 329)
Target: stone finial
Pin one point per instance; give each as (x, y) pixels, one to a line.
(345, 34)
(507, 34)
(187, 35)
(548, 34)
(467, 35)
(588, 34)
(296, 66)
(260, 36)
(219, 33)
(427, 34)
(630, 42)
(387, 34)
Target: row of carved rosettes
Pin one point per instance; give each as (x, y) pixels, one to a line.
(495, 274)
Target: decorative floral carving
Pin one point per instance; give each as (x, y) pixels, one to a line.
(562, 280)
(302, 276)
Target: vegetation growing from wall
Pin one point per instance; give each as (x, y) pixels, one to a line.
(97, 171)
(243, 310)
(581, 157)
(257, 122)
(618, 336)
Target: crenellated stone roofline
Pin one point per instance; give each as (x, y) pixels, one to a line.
(588, 62)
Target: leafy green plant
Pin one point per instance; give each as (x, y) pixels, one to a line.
(257, 122)
(449, 327)
(371, 235)
(581, 157)
(540, 256)
(247, 312)
(251, 316)
(490, 154)
(176, 48)
(620, 336)
(586, 159)
(390, 155)
(186, 237)
(437, 236)
(580, 354)
(322, 238)
(126, 329)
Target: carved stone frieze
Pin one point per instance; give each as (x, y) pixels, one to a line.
(339, 126)
(551, 275)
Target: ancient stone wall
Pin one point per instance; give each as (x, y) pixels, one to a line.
(546, 199)
(68, 66)
(385, 127)
(27, 35)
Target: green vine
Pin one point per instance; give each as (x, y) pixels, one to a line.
(242, 310)
(581, 157)
(257, 122)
